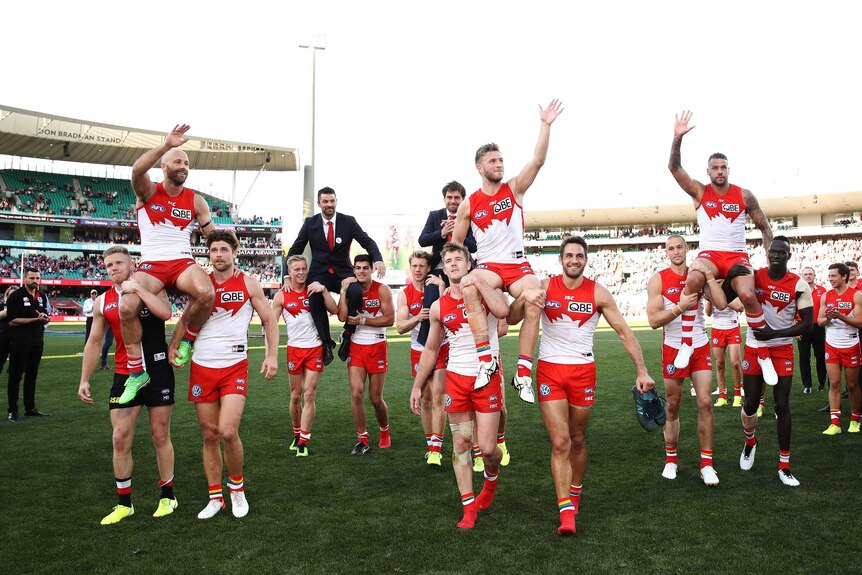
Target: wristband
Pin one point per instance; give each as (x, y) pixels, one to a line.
(673, 311)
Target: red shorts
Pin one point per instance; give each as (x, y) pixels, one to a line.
(723, 261)
(576, 383)
(302, 358)
(370, 357)
(843, 356)
(509, 273)
(442, 358)
(460, 397)
(701, 360)
(166, 272)
(782, 361)
(726, 337)
(207, 384)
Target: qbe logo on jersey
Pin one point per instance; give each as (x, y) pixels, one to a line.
(503, 205)
(783, 297)
(232, 296)
(181, 214)
(731, 208)
(580, 307)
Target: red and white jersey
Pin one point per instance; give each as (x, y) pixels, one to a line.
(721, 219)
(111, 311)
(498, 225)
(778, 300)
(463, 358)
(569, 322)
(415, 299)
(725, 318)
(370, 308)
(223, 339)
(838, 333)
(672, 285)
(166, 224)
(297, 317)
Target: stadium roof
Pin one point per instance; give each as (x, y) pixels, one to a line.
(834, 203)
(44, 136)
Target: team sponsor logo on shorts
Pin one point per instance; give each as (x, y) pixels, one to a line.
(671, 369)
(161, 356)
(788, 363)
(348, 359)
(166, 390)
(480, 214)
(240, 381)
(144, 313)
(290, 366)
(589, 390)
(447, 400)
(416, 367)
(197, 391)
(715, 341)
(745, 364)
(158, 208)
(826, 355)
(544, 390)
(493, 398)
(145, 267)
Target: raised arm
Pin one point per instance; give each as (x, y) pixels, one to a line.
(141, 182)
(758, 218)
(301, 240)
(525, 179)
(609, 309)
(269, 367)
(691, 187)
(205, 221)
(462, 222)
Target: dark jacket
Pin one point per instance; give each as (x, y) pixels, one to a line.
(430, 236)
(322, 258)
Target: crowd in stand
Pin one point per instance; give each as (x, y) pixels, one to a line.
(259, 221)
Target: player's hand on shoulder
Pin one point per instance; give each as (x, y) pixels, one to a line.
(380, 268)
(346, 282)
(316, 287)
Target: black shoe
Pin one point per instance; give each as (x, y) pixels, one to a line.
(104, 368)
(34, 413)
(806, 390)
(820, 387)
(344, 348)
(824, 409)
(327, 352)
(845, 394)
(360, 449)
(13, 416)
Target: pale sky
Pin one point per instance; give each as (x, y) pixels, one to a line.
(406, 92)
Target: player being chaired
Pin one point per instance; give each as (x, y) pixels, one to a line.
(304, 347)
(495, 215)
(167, 212)
(566, 372)
(463, 402)
(721, 209)
(218, 381)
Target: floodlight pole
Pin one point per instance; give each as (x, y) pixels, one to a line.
(308, 169)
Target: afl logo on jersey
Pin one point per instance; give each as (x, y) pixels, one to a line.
(671, 291)
(158, 208)
(232, 296)
(759, 291)
(414, 306)
(710, 204)
(197, 391)
(449, 317)
(552, 304)
(291, 305)
(480, 214)
(111, 306)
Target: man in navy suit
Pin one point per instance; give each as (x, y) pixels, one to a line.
(437, 231)
(330, 236)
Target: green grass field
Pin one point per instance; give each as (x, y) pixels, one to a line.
(389, 513)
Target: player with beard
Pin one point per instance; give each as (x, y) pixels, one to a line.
(566, 372)
(167, 212)
(721, 209)
(218, 381)
(464, 403)
(495, 215)
(783, 295)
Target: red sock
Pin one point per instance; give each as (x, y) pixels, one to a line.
(722, 394)
(834, 416)
(385, 439)
(783, 459)
(304, 437)
(705, 458)
(489, 488)
(362, 437)
(670, 453)
(854, 416)
(468, 501)
(567, 517)
(525, 366)
(750, 439)
(483, 349)
(575, 496)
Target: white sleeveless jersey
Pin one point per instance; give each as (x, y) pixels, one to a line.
(365, 334)
(725, 318)
(838, 333)
(301, 331)
(166, 223)
(569, 323)
(721, 219)
(497, 223)
(223, 339)
(463, 358)
(672, 285)
(778, 300)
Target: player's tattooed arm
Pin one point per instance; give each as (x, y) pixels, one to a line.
(758, 218)
(690, 186)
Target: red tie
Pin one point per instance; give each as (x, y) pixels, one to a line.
(449, 236)
(330, 236)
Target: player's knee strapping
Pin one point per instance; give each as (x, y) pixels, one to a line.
(465, 430)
